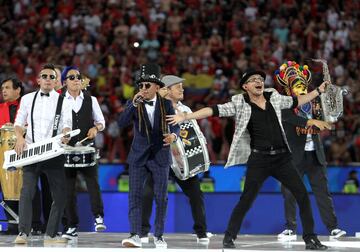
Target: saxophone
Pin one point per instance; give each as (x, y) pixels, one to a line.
(332, 99)
(85, 82)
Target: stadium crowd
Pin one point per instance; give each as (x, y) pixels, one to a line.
(208, 42)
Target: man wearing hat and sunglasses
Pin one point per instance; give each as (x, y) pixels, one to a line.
(260, 141)
(150, 151)
(174, 91)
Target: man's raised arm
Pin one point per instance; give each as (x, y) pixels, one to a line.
(180, 116)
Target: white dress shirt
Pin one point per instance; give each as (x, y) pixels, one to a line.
(43, 115)
(76, 103)
(151, 110)
(309, 144)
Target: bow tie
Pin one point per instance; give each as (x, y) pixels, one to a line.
(42, 94)
(150, 103)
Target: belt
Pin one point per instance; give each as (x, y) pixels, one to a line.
(270, 152)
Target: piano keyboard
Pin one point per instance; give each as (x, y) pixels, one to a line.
(36, 152)
(31, 152)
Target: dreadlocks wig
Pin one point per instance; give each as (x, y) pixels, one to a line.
(143, 126)
(150, 72)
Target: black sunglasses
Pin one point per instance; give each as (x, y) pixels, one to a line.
(72, 77)
(45, 76)
(146, 85)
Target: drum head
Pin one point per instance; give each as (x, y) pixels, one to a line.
(190, 156)
(179, 162)
(7, 127)
(79, 150)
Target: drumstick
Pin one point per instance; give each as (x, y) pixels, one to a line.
(80, 142)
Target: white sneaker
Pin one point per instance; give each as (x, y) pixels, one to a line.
(22, 238)
(99, 224)
(287, 235)
(133, 241)
(337, 233)
(144, 239)
(202, 238)
(209, 234)
(55, 239)
(160, 242)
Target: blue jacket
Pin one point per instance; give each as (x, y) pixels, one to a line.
(142, 149)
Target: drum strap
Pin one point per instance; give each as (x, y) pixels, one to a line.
(58, 114)
(32, 117)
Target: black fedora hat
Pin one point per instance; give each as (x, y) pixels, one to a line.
(149, 72)
(250, 73)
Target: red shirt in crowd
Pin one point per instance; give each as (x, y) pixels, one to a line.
(4, 112)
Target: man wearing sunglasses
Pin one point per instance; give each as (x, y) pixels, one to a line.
(38, 111)
(174, 92)
(86, 116)
(150, 151)
(12, 90)
(260, 141)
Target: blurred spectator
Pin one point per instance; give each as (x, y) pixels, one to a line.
(352, 183)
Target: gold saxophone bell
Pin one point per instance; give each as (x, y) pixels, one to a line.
(85, 82)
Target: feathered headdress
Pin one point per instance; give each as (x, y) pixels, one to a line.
(291, 73)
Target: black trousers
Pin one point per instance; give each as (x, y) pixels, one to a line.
(319, 183)
(191, 188)
(91, 178)
(54, 170)
(42, 204)
(259, 168)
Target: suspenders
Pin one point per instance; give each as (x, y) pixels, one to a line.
(56, 119)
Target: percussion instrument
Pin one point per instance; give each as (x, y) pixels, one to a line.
(11, 180)
(82, 156)
(189, 152)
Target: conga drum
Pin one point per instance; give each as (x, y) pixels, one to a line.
(11, 180)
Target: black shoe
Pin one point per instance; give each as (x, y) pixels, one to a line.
(70, 234)
(228, 242)
(313, 243)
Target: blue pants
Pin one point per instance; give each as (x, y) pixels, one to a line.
(137, 176)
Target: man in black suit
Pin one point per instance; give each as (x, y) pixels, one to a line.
(302, 131)
(150, 151)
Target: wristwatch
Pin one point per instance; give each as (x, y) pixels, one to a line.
(318, 90)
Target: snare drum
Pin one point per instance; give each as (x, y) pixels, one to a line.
(189, 152)
(11, 180)
(78, 157)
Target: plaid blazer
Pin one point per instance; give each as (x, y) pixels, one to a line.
(241, 111)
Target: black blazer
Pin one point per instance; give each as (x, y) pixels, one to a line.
(297, 142)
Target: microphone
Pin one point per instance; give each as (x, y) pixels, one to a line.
(139, 99)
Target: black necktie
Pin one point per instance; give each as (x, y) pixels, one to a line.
(150, 103)
(12, 112)
(42, 94)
